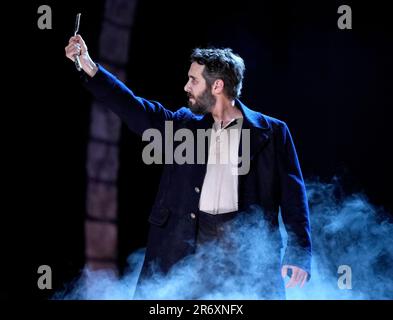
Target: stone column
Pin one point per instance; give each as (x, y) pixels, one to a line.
(103, 146)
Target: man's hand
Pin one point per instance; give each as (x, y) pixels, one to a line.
(77, 47)
(299, 276)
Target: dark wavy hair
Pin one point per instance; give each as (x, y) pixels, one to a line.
(221, 64)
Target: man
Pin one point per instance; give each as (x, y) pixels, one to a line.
(195, 200)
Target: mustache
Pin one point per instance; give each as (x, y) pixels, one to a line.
(189, 95)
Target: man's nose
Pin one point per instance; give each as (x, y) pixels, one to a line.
(186, 88)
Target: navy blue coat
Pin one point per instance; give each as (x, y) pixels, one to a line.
(274, 180)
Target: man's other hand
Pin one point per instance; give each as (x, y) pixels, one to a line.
(299, 276)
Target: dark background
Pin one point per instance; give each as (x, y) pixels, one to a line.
(333, 88)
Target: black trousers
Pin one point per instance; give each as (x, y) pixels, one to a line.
(221, 262)
(211, 226)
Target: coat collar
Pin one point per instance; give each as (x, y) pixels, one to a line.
(251, 118)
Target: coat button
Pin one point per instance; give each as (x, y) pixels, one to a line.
(197, 190)
(192, 215)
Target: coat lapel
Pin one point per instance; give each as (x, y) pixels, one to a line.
(259, 128)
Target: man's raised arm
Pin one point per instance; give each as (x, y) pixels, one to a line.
(138, 113)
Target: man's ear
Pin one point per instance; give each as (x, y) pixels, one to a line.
(218, 86)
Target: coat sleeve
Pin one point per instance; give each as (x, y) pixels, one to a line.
(137, 113)
(293, 204)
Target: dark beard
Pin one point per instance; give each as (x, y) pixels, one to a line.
(203, 104)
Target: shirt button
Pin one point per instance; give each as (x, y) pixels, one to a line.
(197, 190)
(192, 215)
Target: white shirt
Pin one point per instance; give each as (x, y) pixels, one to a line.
(220, 187)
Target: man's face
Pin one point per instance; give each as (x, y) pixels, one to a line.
(200, 98)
